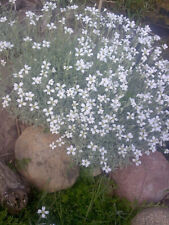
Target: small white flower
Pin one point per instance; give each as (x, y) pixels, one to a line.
(136, 161)
(51, 26)
(36, 80)
(6, 100)
(12, 1)
(28, 96)
(130, 116)
(36, 45)
(43, 212)
(166, 151)
(48, 111)
(46, 44)
(106, 168)
(68, 30)
(3, 19)
(85, 162)
(46, 65)
(67, 67)
(33, 106)
(52, 101)
(71, 150)
(53, 70)
(52, 145)
(27, 39)
(164, 46)
(21, 102)
(3, 62)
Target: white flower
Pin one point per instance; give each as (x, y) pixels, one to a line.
(164, 46)
(51, 82)
(67, 67)
(130, 116)
(48, 90)
(71, 150)
(36, 45)
(28, 96)
(33, 106)
(46, 44)
(6, 99)
(53, 70)
(36, 80)
(68, 30)
(21, 102)
(19, 86)
(12, 1)
(3, 19)
(51, 26)
(137, 161)
(106, 168)
(48, 111)
(166, 151)
(52, 101)
(91, 79)
(92, 146)
(52, 145)
(46, 65)
(3, 62)
(85, 162)
(43, 212)
(27, 39)
(129, 136)
(102, 151)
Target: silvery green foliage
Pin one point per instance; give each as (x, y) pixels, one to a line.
(95, 78)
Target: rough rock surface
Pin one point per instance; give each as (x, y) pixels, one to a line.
(28, 4)
(13, 190)
(8, 136)
(152, 216)
(147, 182)
(49, 170)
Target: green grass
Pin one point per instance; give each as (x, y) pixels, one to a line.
(88, 202)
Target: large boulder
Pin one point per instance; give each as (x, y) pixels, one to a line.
(47, 169)
(147, 182)
(152, 216)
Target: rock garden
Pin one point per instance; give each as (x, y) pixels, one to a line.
(84, 113)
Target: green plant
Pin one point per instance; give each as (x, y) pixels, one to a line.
(88, 202)
(97, 79)
(22, 164)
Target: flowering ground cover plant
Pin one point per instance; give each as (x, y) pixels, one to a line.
(97, 79)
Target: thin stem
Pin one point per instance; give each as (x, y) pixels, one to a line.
(100, 5)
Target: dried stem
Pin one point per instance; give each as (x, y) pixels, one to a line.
(100, 4)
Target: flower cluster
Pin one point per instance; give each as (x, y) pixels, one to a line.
(95, 78)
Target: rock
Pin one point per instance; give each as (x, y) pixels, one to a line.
(49, 170)
(8, 136)
(13, 190)
(28, 4)
(96, 172)
(10, 129)
(152, 216)
(147, 182)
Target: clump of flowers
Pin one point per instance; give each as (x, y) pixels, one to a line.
(97, 79)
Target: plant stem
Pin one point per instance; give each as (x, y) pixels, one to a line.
(100, 4)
